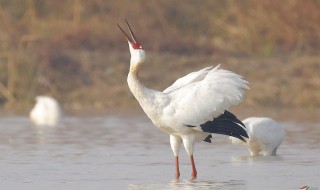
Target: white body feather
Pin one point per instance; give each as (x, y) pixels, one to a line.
(191, 100)
(46, 111)
(265, 136)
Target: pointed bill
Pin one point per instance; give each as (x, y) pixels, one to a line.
(133, 40)
(131, 32)
(126, 36)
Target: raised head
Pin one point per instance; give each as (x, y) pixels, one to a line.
(136, 50)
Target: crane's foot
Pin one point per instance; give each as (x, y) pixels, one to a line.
(177, 168)
(177, 176)
(194, 174)
(194, 170)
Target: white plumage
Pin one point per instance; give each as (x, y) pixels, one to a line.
(265, 136)
(193, 107)
(208, 95)
(46, 111)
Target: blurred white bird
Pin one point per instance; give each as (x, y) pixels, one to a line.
(46, 112)
(193, 107)
(265, 135)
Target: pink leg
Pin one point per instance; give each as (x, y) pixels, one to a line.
(177, 168)
(194, 170)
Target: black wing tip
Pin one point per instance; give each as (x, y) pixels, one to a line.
(231, 116)
(240, 137)
(245, 135)
(226, 124)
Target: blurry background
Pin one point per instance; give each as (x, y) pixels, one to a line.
(73, 51)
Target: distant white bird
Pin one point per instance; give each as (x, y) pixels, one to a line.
(265, 135)
(193, 107)
(46, 112)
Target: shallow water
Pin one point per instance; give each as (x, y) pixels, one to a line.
(127, 152)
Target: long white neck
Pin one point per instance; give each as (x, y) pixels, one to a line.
(146, 97)
(139, 91)
(150, 100)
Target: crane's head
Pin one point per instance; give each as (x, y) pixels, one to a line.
(136, 50)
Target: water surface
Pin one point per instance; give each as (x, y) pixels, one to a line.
(128, 152)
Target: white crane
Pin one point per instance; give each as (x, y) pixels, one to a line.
(191, 108)
(265, 135)
(46, 111)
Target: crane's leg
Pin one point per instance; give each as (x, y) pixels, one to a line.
(188, 142)
(175, 142)
(194, 170)
(177, 168)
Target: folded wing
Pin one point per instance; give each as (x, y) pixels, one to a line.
(189, 78)
(199, 101)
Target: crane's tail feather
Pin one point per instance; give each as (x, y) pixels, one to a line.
(226, 124)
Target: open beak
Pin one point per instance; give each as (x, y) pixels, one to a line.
(133, 40)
